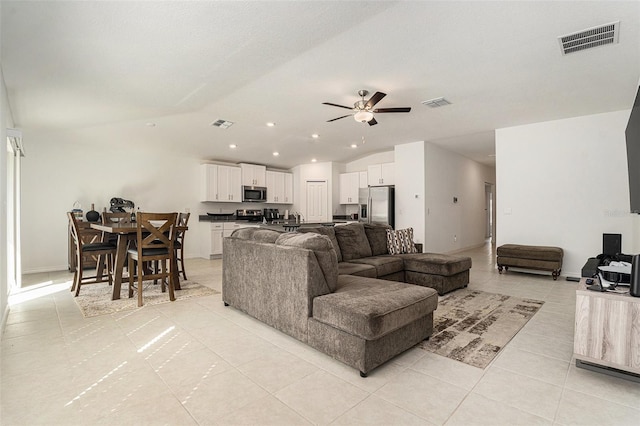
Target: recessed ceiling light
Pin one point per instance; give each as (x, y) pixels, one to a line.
(353, 145)
(271, 124)
(315, 136)
(233, 146)
(151, 124)
(313, 160)
(276, 153)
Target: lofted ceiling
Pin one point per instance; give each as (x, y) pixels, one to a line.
(160, 72)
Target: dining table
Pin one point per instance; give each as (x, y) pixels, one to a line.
(127, 232)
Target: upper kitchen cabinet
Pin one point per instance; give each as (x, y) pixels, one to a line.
(349, 186)
(220, 183)
(381, 174)
(208, 182)
(229, 187)
(279, 187)
(253, 174)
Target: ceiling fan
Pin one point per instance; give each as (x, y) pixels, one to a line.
(362, 110)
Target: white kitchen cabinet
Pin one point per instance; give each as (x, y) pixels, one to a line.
(221, 230)
(349, 187)
(279, 187)
(253, 174)
(364, 180)
(216, 239)
(288, 188)
(208, 182)
(220, 183)
(381, 174)
(229, 187)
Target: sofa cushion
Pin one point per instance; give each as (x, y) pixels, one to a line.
(384, 264)
(256, 234)
(435, 263)
(353, 241)
(400, 241)
(377, 235)
(324, 230)
(374, 309)
(359, 269)
(322, 248)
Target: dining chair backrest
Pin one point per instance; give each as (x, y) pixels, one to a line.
(156, 230)
(183, 219)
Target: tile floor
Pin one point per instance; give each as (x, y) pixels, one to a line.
(198, 362)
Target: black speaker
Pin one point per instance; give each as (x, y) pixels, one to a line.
(634, 289)
(611, 244)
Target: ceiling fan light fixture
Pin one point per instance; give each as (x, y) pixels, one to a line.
(363, 116)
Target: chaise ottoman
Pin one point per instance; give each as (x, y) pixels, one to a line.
(542, 258)
(442, 272)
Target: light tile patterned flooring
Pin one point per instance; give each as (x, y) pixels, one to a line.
(198, 362)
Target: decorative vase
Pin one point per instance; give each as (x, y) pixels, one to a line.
(92, 215)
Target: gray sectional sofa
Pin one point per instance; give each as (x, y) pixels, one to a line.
(294, 283)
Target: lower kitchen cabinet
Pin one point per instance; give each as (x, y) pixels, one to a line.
(220, 230)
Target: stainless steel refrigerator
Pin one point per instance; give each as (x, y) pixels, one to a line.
(377, 205)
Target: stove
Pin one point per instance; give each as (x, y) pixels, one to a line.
(250, 215)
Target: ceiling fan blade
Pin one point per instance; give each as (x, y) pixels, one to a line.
(334, 119)
(372, 122)
(377, 97)
(400, 109)
(336, 105)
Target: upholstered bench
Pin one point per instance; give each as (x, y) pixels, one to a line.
(439, 271)
(542, 258)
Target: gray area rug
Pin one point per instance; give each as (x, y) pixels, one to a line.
(95, 299)
(473, 326)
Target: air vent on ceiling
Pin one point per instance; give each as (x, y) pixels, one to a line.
(591, 37)
(436, 102)
(223, 124)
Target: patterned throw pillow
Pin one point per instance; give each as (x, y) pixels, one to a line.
(400, 241)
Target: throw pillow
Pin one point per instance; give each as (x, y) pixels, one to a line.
(400, 241)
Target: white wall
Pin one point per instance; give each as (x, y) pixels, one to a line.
(410, 188)
(5, 121)
(360, 165)
(62, 167)
(453, 226)
(564, 183)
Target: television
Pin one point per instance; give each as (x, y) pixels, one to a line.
(633, 154)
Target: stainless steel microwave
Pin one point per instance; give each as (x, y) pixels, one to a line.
(254, 194)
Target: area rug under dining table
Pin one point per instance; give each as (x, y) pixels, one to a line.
(473, 326)
(95, 299)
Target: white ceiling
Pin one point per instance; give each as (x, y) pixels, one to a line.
(109, 68)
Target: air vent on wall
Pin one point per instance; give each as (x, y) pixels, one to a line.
(591, 37)
(436, 102)
(223, 124)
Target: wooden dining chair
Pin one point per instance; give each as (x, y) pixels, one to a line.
(183, 220)
(156, 235)
(101, 250)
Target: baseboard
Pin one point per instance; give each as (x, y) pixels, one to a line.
(5, 316)
(460, 250)
(46, 269)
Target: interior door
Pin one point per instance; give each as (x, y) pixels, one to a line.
(317, 202)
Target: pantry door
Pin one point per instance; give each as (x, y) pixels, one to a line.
(316, 202)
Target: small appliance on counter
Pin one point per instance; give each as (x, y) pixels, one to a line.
(271, 214)
(250, 215)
